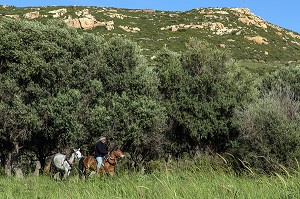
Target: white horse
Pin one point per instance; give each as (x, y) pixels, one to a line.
(63, 163)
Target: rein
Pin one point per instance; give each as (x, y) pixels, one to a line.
(68, 160)
(70, 163)
(110, 158)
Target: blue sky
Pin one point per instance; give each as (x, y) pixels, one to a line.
(284, 13)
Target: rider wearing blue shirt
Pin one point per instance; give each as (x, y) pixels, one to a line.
(101, 151)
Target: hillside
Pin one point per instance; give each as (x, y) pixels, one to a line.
(246, 36)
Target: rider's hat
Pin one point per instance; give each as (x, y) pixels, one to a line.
(102, 138)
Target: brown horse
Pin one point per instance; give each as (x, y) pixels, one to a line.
(108, 165)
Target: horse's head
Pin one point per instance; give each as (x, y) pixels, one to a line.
(77, 152)
(118, 152)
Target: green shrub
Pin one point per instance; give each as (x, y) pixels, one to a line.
(200, 89)
(284, 76)
(270, 130)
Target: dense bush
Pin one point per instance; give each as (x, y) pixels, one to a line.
(62, 89)
(269, 127)
(269, 130)
(39, 103)
(200, 89)
(284, 76)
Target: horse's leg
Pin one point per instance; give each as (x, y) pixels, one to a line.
(82, 168)
(66, 173)
(107, 169)
(83, 176)
(111, 171)
(82, 173)
(56, 176)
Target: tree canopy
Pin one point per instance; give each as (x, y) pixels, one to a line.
(61, 88)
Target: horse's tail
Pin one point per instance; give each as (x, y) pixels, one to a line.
(81, 167)
(50, 168)
(47, 168)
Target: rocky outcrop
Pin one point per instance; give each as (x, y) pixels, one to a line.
(212, 11)
(217, 28)
(239, 27)
(257, 39)
(58, 13)
(88, 22)
(130, 29)
(83, 12)
(13, 16)
(248, 18)
(297, 43)
(256, 21)
(293, 35)
(75, 23)
(32, 15)
(116, 15)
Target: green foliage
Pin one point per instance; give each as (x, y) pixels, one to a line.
(130, 112)
(62, 113)
(269, 127)
(76, 87)
(43, 64)
(127, 70)
(288, 76)
(269, 130)
(62, 88)
(19, 119)
(201, 88)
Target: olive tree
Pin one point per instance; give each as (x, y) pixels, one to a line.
(200, 88)
(42, 70)
(130, 112)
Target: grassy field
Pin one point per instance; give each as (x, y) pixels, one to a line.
(194, 183)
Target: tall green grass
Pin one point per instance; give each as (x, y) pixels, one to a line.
(187, 183)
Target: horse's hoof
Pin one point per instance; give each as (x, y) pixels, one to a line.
(93, 172)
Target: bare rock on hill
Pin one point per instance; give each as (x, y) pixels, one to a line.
(293, 35)
(88, 22)
(83, 12)
(257, 39)
(58, 13)
(32, 15)
(13, 16)
(130, 29)
(248, 18)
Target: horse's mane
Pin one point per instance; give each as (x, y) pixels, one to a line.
(114, 147)
(69, 154)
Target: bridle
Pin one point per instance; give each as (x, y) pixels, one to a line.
(75, 156)
(115, 160)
